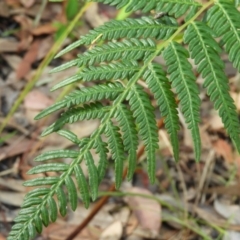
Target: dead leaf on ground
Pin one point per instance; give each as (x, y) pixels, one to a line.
(47, 28)
(147, 211)
(112, 232)
(2, 237)
(215, 122)
(13, 184)
(27, 3)
(16, 148)
(59, 231)
(12, 198)
(223, 149)
(236, 98)
(37, 100)
(4, 10)
(28, 59)
(230, 212)
(8, 45)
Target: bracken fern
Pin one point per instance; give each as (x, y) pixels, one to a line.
(119, 54)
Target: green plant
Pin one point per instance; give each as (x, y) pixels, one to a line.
(125, 54)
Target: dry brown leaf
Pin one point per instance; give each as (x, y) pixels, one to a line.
(16, 148)
(12, 60)
(147, 211)
(24, 33)
(28, 59)
(37, 100)
(223, 149)
(8, 45)
(27, 3)
(2, 237)
(236, 98)
(216, 122)
(12, 198)
(59, 231)
(112, 232)
(44, 47)
(48, 28)
(13, 184)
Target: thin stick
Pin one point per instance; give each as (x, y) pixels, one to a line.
(104, 199)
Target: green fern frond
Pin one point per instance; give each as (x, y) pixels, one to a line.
(93, 175)
(116, 148)
(101, 150)
(172, 7)
(91, 111)
(224, 19)
(159, 85)
(205, 52)
(145, 27)
(128, 49)
(129, 136)
(184, 81)
(143, 112)
(115, 70)
(85, 95)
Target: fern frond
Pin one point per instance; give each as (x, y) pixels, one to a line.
(145, 27)
(93, 175)
(205, 52)
(130, 140)
(82, 185)
(184, 81)
(159, 85)
(99, 92)
(91, 111)
(143, 112)
(118, 70)
(116, 148)
(101, 150)
(56, 154)
(128, 49)
(224, 19)
(172, 7)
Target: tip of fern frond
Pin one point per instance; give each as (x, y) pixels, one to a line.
(58, 55)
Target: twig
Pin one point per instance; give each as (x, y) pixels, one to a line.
(104, 199)
(203, 177)
(39, 14)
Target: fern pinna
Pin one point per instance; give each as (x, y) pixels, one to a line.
(124, 53)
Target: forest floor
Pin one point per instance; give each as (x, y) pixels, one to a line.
(188, 201)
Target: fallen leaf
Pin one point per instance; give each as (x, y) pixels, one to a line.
(4, 10)
(223, 149)
(112, 232)
(216, 122)
(8, 45)
(48, 28)
(13, 184)
(12, 60)
(12, 198)
(231, 235)
(2, 237)
(27, 3)
(27, 61)
(16, 148)
(236, 98)
(37, 100)
(147, 211)
(230, 212)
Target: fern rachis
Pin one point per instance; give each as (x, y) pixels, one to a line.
(126, 54)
